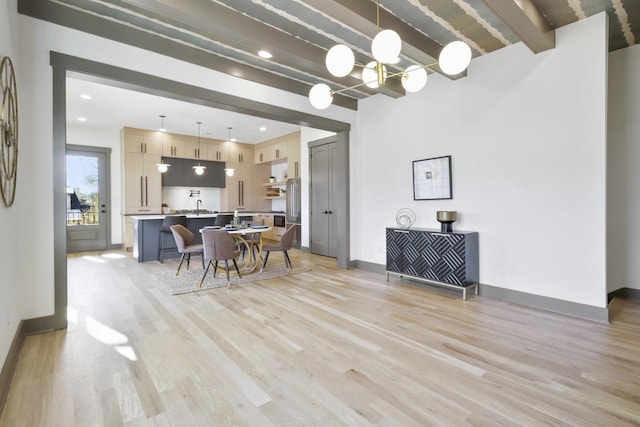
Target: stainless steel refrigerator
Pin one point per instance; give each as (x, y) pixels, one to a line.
(294, 215)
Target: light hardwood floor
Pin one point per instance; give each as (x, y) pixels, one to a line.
(325, 347)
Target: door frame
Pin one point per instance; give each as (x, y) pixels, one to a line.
(107, 181)
(65, 65)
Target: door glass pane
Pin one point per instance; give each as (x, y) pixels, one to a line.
(82, 190)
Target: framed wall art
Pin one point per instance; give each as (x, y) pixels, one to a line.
(432, 179)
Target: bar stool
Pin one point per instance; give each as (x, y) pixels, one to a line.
(165, 229)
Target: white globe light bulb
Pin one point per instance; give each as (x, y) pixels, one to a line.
(414, 78)
(455, 58)
(370, 74)
(320, 96)
(340, 60)
(162, 167)
(386, 46)
(229, 171)
(199, 169)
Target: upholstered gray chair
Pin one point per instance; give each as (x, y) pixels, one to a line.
(223, 219)
(185, 241)
(218, 246)
(165, 229)
(286, 241)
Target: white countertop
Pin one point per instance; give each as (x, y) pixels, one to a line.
(203, 215)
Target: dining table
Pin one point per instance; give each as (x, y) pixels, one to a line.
(240, 233)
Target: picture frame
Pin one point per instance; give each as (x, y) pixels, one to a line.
(432, 179)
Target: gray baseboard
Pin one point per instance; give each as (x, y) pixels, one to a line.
(370, 266)
(10, 363)
(589, 312)
(598, 314)
(626, 293)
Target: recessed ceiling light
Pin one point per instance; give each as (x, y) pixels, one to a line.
(265, 54)
(82, 119)
(86, 96)
(262, 128)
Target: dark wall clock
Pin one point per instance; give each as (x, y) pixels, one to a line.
(8, 132)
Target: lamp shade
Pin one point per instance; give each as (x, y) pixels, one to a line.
(386, 46)
(320, 96)
(455, 58)
(340, 60)
(414, 78)
(370, 74)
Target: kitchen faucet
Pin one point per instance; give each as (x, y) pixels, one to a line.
(198, 203)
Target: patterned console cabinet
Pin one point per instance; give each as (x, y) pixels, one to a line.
(444, 259)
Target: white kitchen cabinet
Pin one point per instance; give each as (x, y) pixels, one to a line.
(195, 150)
(142, 182)
(239, 191)
(271, 151)
(172, 146)
(216, 150)
(293, 156)
(240, 153)
(145, 142)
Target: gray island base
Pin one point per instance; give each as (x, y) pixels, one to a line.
(146, 233)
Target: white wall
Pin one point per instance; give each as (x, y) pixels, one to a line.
(527, 134)
(36, 40)
(11, 222)
(623, 185)
(108, 138)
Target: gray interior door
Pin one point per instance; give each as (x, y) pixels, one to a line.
(323, 187)
(87, 199)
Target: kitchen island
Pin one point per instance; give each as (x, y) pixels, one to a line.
(146, 232)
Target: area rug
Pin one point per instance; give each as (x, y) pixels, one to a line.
(189, 280)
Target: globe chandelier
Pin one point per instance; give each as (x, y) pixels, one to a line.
(454, 58)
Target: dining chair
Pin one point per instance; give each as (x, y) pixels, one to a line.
(223, 219)
(185, 241)
(165, 229)
(218, 245)
(286, 241)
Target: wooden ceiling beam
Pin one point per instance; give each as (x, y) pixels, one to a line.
(230, 28)
(524, 18)
(81, 21)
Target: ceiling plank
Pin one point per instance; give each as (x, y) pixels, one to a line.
(221, 24)
(524, 18)
(78, 20)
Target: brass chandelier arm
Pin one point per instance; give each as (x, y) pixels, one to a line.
(399, 73)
